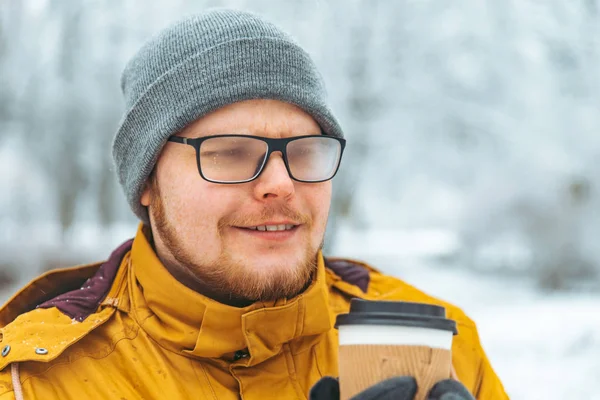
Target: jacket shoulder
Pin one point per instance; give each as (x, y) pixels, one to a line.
(84, 286)
(43, 334)
(18, 344)
(469, 358)
(43, 288)
(42, 320)
(359, 279)
(387, 287)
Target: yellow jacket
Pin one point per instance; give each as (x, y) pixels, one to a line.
(150, 337)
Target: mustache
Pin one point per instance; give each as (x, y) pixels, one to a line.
(266, 214)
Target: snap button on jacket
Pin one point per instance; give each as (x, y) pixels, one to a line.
(134, 332)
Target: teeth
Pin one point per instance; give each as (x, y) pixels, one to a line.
(272, 228)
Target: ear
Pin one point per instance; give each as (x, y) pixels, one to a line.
(146, 197)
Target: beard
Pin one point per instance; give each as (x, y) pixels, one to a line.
(229, 279)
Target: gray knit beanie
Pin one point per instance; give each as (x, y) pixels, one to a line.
(201, 64)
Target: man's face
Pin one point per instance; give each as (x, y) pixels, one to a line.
(200, 229)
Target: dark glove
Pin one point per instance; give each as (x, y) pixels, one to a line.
(398, 388)
(449, 389)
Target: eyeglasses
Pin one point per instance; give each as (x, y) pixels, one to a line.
(242, 158)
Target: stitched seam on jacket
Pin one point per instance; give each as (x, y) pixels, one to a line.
(477, 384)
(72, 361)
(212, 390)
(301, 313)
(305, 349)
(479, 375)
(156, 342)
(291, 367)
(316, 355)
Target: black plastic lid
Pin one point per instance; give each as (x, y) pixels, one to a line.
(364, 312)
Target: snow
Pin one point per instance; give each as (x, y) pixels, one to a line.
(396, 243)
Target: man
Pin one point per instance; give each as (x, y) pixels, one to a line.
(226, 154)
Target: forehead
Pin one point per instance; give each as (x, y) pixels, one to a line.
(269, 118)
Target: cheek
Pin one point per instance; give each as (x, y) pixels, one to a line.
(319, 199)
(185, 199)
(197, 206)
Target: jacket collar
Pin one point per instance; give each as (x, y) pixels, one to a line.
(186, 322)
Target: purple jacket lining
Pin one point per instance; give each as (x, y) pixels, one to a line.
(82, 302)
(352, 273)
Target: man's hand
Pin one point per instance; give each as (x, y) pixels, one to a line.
(449, 389)
(398, 388)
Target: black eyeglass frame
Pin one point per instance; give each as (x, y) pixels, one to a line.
(273, 145)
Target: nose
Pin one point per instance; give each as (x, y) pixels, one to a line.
(274, 181)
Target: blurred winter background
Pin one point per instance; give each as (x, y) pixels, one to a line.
(471, 171)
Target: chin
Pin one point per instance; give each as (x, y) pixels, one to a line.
(273, 265)
(284, 260)
(270, 265)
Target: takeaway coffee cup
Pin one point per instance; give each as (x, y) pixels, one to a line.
(382, 339)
